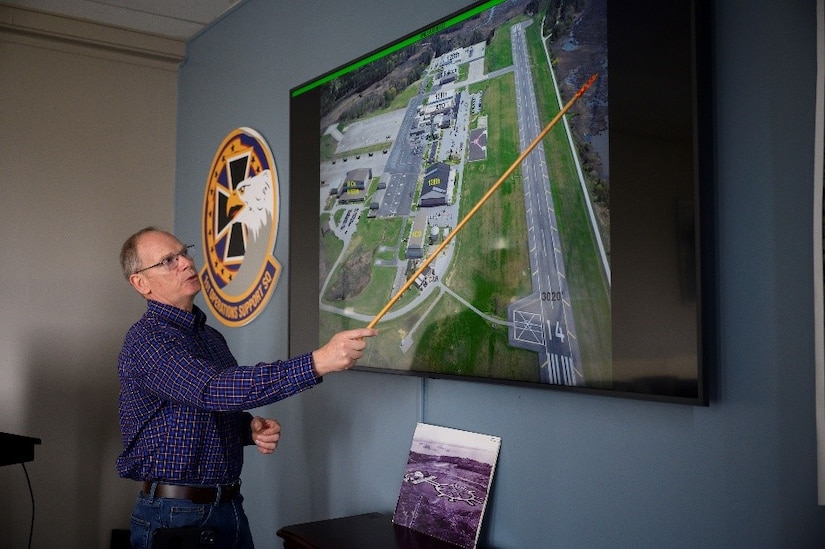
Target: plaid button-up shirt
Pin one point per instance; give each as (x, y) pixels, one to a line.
(183, 396)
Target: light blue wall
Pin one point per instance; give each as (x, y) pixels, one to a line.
(574, 470)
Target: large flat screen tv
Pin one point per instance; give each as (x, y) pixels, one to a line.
(590, 269)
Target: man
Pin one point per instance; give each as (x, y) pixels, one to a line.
(182, 401)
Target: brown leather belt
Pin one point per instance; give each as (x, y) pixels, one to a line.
(196, 494)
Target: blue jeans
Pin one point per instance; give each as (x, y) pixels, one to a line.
(226, 519)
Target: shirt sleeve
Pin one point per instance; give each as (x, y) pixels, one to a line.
(265, 383)
(209, 378)
(247, 437)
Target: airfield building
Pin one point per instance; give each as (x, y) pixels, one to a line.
(354, 187)
(437, 187)
(415, 243)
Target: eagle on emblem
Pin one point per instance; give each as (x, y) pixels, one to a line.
(251, 204)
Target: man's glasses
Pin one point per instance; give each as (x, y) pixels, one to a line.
(170, 262)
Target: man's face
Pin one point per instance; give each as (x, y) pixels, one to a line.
(177, 286)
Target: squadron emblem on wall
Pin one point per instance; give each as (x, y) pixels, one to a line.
(240, 222)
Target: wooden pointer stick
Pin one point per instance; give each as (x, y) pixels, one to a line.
(481, 202)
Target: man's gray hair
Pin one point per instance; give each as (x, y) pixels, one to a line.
(129, 259)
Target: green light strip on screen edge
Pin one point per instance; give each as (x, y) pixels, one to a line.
(395, 47)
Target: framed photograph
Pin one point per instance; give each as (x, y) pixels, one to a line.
(447, 483)
(590, 269)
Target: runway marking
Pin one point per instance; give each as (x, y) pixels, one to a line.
(527, 327)
(561, 370)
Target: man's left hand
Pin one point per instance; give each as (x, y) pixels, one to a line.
(265, 434)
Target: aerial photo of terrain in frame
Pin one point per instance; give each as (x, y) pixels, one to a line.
(447, 483)
(583, 272)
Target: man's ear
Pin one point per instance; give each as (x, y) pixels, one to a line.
(140, 284)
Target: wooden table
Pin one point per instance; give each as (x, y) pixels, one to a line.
(367, 531)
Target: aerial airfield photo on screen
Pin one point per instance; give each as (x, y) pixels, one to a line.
(411, 140)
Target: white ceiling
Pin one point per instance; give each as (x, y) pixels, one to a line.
(178, 19)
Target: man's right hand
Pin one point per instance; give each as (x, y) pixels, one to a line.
(342, 351)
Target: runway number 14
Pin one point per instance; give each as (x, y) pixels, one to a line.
(559, 332)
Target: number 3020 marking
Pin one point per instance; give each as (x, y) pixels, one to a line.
(551, 296)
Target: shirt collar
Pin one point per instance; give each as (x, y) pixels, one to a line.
(186, 320)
